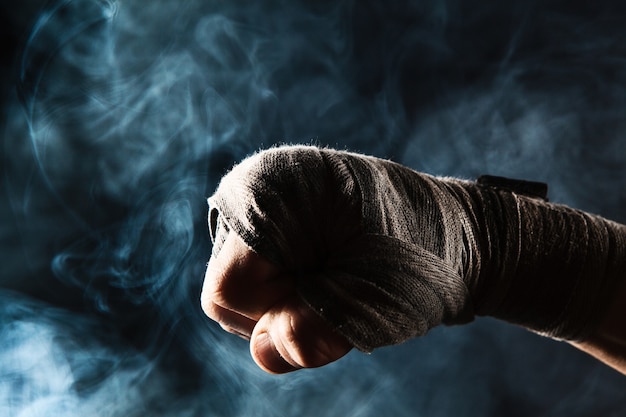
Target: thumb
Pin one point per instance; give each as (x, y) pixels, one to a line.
(291, 336)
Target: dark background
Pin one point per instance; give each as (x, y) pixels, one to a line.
(119, 118)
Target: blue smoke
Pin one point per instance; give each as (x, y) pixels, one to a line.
(121, 116)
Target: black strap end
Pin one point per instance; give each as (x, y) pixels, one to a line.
(533, 189)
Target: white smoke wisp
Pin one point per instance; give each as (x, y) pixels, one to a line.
(49, 366)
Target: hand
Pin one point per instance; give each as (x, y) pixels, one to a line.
(250, 297)
(341, 225)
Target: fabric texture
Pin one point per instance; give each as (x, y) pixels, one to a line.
(383, 253)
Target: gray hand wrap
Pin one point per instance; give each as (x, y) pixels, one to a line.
(383, 253)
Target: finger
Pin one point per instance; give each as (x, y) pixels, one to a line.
(229, 320)
(291, 336)
(240, 280)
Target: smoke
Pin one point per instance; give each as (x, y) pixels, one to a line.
(121, 116)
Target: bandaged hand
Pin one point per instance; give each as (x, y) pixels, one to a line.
(317, 250)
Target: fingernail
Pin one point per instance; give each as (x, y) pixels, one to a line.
(267, 356)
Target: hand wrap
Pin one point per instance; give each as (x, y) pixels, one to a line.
(383, 253)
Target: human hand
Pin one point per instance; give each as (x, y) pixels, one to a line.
(253, 298)
(312, 256)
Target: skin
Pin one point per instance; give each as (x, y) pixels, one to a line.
(252, 298)
(608, 344)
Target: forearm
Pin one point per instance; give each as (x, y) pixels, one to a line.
(576, 264)
(608, 342)
(550, 268)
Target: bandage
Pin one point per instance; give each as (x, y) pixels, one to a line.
(383, 253)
